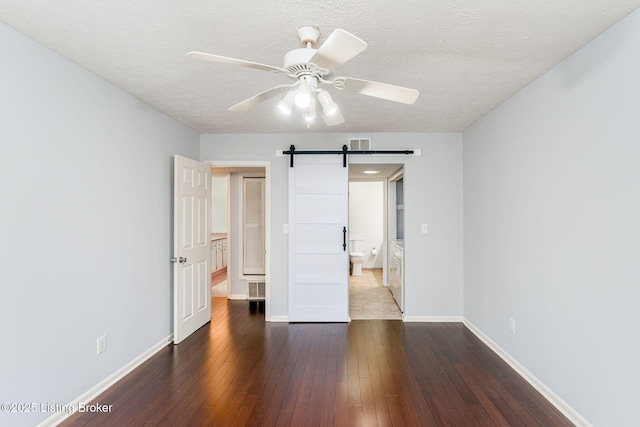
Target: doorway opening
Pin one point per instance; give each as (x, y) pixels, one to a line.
(373, 228)
(240, 232)
(219, 232)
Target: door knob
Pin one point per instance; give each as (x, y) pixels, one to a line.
(181, 260)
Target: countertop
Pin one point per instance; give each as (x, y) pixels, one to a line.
(218, 236)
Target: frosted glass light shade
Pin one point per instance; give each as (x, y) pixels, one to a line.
(286, 105)
(303, 95)
(328, 106)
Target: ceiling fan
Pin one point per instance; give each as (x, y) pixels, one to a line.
(310, 67)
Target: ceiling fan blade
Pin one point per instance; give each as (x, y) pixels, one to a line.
(233, 61)
(337, 49)
(389, 92)
(257, 99)
(334, 119)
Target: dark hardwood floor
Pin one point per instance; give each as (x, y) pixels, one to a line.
(240, 370)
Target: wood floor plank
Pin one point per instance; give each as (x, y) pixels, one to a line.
(395, 411)
(319, 379)
(476, 387)
(377, 385)
(300, 414)
(240, 370)
(341, 404)
(245, 411)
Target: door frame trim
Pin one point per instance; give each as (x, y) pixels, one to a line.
(266, 164)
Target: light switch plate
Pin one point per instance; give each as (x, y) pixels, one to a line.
(102, 344)
(424, 228)
(286, 228)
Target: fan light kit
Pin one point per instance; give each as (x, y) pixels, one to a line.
(309, 67)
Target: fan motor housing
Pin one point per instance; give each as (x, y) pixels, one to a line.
(296, 57)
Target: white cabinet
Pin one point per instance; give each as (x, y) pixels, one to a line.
(218, 254)
(396, 274)
(224, 253)
(214, 257)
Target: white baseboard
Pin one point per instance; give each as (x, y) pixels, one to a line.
(238, 296)
(431, 319)
(548, 394)
(280, 318)
(99, 388)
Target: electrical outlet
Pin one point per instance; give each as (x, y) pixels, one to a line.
(512, 325)
(102, 344)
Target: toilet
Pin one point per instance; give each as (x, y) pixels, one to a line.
(356, 257)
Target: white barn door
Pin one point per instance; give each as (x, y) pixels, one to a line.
(191, 247)
(318, 240)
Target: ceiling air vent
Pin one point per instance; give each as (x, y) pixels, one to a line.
(362, 144)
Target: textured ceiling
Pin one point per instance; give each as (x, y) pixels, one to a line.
(464, 56)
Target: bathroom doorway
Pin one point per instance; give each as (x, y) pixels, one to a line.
(369, 215)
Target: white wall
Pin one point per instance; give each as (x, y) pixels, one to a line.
(366, 219)
(219, 202)
(85, 226)
(433, 188)
(552, 237)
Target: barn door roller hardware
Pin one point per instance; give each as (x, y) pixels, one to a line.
(344, 152)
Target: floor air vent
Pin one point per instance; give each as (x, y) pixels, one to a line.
(359, 144)
(255, 291)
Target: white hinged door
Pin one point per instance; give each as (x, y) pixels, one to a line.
(192, 247)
